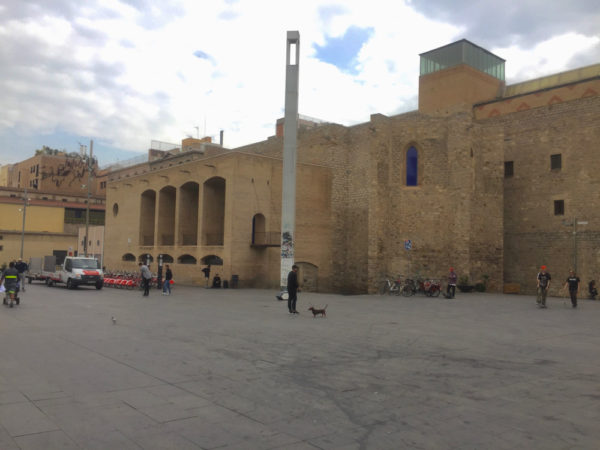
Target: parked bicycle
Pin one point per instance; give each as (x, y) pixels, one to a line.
(429, 287)
(390, 286)
(409, 287)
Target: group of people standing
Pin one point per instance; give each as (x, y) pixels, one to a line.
(147, 278)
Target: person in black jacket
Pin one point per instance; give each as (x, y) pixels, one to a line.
(168, 278)
(592, 290)
(21, 267)
(293, 288)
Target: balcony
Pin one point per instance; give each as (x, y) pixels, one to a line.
(266, 239)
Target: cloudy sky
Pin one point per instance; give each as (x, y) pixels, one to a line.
(125, 72)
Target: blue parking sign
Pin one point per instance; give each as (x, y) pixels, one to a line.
(407, 244)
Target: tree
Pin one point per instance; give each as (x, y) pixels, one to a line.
(45, 150)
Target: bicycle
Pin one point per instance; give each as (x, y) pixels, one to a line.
(390, 286)
(432, 288)
(409, 288)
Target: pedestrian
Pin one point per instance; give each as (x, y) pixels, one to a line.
(168, 279)
(146, 277)
(543, 284)
(452, 277)
(293, 289)
(206, 272)
(10, 278)
(592, 290)
(573, 283)
(21, 267)
(216, 281)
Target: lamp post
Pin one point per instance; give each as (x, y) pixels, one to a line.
(574, 224)
(87, 205)
(25, 200)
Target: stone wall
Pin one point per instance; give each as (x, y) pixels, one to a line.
(534, 235)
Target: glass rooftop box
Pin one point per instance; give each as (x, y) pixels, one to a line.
(462, 52)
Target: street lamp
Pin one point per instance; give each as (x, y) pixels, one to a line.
(87, 205)
(25, 201)
(574, 224)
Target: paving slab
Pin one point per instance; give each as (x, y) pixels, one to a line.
(231, 369)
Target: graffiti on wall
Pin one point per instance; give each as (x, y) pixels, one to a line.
(72, 170)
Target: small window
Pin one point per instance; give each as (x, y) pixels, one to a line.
(508, 169)
(412, 163)
(555, 162)
(559, 207)
(1, 247)
(115, 209)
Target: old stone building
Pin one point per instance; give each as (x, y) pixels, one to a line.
(491, 179)
(55, 184)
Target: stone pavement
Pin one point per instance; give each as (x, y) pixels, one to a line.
(230, 369)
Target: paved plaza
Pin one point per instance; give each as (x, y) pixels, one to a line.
(231, 369)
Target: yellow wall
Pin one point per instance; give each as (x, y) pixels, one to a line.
(38, 218)
(34, 245)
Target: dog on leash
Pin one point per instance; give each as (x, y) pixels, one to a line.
(316, 311)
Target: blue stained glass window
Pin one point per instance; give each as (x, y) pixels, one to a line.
(412, 160)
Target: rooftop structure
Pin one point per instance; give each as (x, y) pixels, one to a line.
(462, 52)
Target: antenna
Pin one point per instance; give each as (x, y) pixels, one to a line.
(197, 131)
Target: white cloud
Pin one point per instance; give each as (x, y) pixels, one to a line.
(545, 58)
(126, 75)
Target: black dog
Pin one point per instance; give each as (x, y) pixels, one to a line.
(316, 312)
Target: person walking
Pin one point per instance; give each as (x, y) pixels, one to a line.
(168, 278)
(293, 288)
(592, 290)
(146, 277)
(573, 283)
(21, 267)
(206, 272)
(543, 284)
(452, 278)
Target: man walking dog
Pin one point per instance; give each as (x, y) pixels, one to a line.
(292, 288)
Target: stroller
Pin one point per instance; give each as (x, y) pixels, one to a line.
(283, 295)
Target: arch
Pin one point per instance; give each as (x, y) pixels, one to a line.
(258, 230)
(147, 212)
(128, 257)
(166, 215)
(213, 211)
(145, 257)
(186, 259)
(188, 213)
(412, 166)
(211, 260)
(167, 258)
